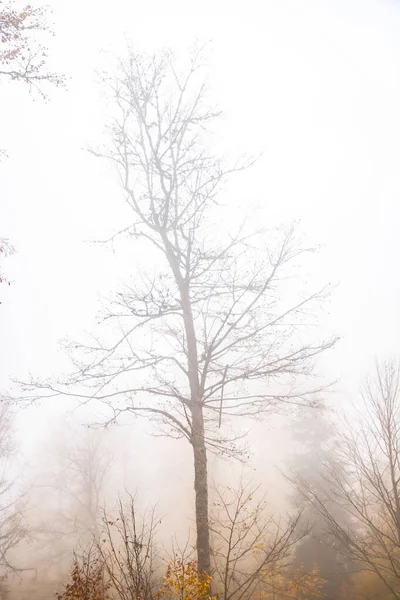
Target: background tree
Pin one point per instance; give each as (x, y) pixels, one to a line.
(72, 488)
(22, 58)
(13, 527)
(207, 329)
(314, 434)
(83, 462)
(368, 487)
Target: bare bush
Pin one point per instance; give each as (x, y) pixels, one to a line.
(127, 547)
(86, 580)
(248, 546)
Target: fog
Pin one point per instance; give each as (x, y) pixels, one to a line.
(311, 91)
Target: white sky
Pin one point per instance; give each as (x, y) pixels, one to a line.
(314, 84)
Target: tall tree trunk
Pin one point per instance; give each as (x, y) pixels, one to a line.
(201, 491)
(198, 434)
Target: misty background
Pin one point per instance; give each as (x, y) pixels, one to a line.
(313, 89)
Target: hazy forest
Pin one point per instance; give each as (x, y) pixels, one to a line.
(199, 300)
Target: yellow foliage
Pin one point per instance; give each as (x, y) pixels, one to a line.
(302, 585)
(364, 585)
(86, 581)
(183, 581)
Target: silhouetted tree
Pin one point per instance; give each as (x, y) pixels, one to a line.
(205, 330)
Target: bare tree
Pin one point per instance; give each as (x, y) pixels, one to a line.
(248, 546)
(127, 548)
(368, 487)
(204, 332)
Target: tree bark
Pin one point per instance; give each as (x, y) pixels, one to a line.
(201, 491)
(198, 434)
